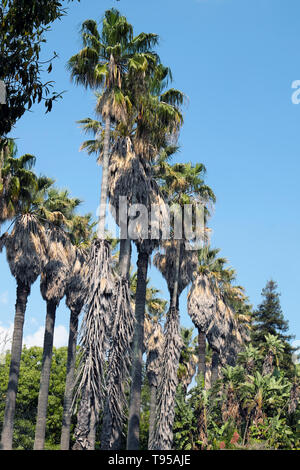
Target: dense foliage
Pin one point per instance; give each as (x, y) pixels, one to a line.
(22, 34)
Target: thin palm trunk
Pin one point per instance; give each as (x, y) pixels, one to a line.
(67, 413)
(125, 258)
(214, 367)
(152, 411)
(23, 291)
(104, 183)
(40, 430)
(202, 353)
(133, 436)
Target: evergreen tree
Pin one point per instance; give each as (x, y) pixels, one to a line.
(269, 319)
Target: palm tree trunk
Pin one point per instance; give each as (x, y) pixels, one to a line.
(83, 423)
(23, 291)
(133, 436)
(67, 413)
(214, 367)
(153, 390)
(111, 433)
(165, 412)
(202, 353)
(40, 429)
(93, 428)
(125, 258)
(104, 183)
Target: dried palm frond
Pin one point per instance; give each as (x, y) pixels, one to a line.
(130, 176)
(202, 303)
(27, 249)
(191, 368)
(94, 336)
(294, 397)
(154, 347)
(219, 332)
(3, 240)
(168, 381)
(76, 286)
(55, 273)
(166, 261)
(268, 365)
(119, 362)
(230, 407)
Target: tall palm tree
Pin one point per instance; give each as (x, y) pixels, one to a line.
(101, 64)
(230, 330)
(158, 119)
(53, 285)
(27, 252)
(90, 385)
(103, 61)
(154, 339)
(81, 233)
(207, 305)
(182, 184)
(130, 176)
(153, 346)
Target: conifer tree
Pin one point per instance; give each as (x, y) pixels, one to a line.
(269, 319)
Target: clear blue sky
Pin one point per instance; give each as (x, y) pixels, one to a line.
(236, 61)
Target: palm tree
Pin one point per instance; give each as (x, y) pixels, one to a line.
(80, 233)
(53, 285)
(248, 358)
(160, 119)
(16, 179)
(260, 392)
(182, 184)
(188, 359)
(26, 251)
(274, 349)
(106, 57)
(202, 302)
(153, 345)
(232, 377)
(210, 305)
(102, 63)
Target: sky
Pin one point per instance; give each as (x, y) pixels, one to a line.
(237, 62)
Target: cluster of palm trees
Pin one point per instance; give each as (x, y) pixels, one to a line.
(134, 140)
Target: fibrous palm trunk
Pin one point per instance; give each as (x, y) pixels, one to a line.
(67, 414)
(214, 367)
(268, 366)
(98, 304)
(163, 434)
(152, 411)
(23, 291)
(94, 342)
(119, 362)
(202, 353)
(40, 430)
(93, 430)
(138, 343)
